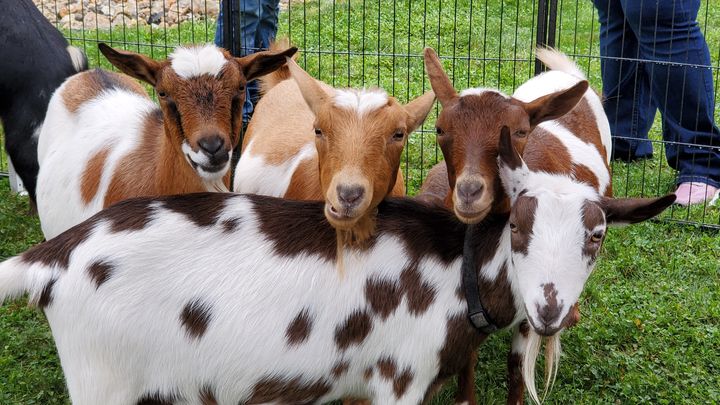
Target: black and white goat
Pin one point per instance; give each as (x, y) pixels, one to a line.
(34, 60)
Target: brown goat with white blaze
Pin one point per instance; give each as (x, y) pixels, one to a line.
(104, 140)
(310, 141)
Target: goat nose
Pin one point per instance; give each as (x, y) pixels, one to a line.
(211, 144)
(350, 196)
(548, 316)
(468, 191)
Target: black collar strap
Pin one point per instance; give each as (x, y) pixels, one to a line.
(477, 314)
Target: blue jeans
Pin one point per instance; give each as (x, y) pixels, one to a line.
(258, 27)
(649, 33)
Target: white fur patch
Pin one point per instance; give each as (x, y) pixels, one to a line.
(602, 122)
(213, 180)
(580, 152)
(556, 80)
(363, 101)
(36, 132)
(113, 120)
(480, 90)
(554, 254)
(77, 57)
(254, 175)
(196, 61)
(544, 84)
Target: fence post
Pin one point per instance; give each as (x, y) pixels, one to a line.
(231, 26)
(227, 21)
(546, 28)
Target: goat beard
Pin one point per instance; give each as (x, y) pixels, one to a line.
(356, 236)
(552, 361)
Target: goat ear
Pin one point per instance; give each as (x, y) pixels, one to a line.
(261, 63)
(419, 109)
(555, 105)
(133, 64)
(631, 210)
(511, 167)
(313, 93)
(440, 82)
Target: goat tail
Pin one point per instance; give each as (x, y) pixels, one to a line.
(78, 58)
(18, 277)
(557, 60)
(271, 80)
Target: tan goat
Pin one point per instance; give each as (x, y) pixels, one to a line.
(310, 141)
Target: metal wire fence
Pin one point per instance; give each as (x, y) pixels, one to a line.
(488, 43)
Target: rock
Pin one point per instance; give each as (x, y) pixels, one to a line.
(206, 8)
(95, 20)
(121, 20)
(103, 22)
(62, 13)
(155, 18)
(102, 14)
(172, 17)
(65, 21)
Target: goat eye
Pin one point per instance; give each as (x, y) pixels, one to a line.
(241, 88)
(597, 236)
(520, 134)
(513, 228)
(439, 131)
(161, 94)
(318, 132)
(399, 136)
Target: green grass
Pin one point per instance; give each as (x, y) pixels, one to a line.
(650, 326)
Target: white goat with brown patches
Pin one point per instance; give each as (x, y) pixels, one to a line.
(141, 310)
(309, 141)
(105, 140)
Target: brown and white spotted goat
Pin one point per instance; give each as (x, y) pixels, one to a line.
(104, 140)
(257, 319)
(554, 118)
(354, 137)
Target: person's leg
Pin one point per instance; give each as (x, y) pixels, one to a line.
(268, 22)
(250, 15)
(625, 85)
(682, 90)
(264, 35)
(219, 27)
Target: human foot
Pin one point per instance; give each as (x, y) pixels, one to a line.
(694, 193)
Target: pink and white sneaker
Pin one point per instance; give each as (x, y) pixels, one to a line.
(694, 193)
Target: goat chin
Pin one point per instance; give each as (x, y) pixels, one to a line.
(552, 360)
(217, 186)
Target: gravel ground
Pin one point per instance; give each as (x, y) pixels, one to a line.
(89, 14)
